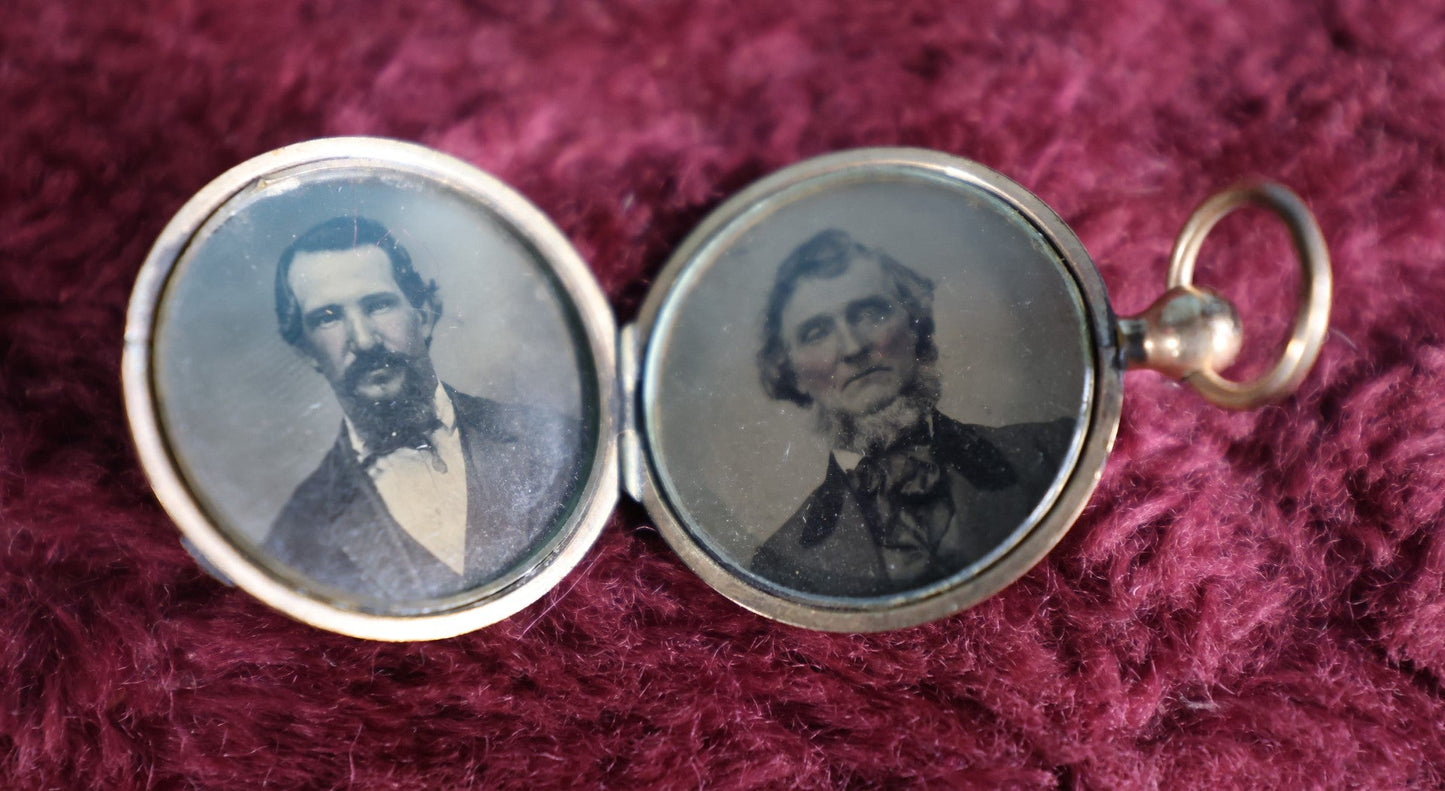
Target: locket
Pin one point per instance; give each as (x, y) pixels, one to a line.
(379, 390)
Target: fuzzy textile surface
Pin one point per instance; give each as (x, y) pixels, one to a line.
(1251, 600)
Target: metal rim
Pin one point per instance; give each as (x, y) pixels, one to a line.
(530, 225)
(1307, 334)
(1100, 421)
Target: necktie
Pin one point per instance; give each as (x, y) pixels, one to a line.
(905, 499)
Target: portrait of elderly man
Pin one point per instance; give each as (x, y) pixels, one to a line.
(427, 491)
(910, 495)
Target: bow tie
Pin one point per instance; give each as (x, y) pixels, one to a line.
(417, 438)
(905, 498)
(902, 475)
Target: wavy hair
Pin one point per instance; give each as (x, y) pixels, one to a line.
(346, 233)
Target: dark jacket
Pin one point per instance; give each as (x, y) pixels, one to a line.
(521, 466)
(996, 478)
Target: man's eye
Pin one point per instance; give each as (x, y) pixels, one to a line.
(873, 314)
(323, 318)
(380, 304)
(813, 333)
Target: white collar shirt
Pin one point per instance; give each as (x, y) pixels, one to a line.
(426, 490)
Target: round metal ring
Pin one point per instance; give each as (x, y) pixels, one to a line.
(1308, 333)
(732, 259)
(389, 178)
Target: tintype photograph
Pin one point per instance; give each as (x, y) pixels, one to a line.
(373, 386)
(870, 390)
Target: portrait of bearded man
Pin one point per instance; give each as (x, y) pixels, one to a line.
(910, 495)
(427, 491)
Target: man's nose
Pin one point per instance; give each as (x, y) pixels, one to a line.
(853, 342)
(362, 335)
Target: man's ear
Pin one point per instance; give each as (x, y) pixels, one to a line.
(430, 314)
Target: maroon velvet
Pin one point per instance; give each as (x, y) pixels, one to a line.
(1251, 599)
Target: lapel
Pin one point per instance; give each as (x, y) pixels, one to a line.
(955, 445)
(516, 464)
(828, 547)
(963, 448)
(834, 547)
(820, 514)
(512, 460)
(383, 553)
(509, 464)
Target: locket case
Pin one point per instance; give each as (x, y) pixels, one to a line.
(866, 392)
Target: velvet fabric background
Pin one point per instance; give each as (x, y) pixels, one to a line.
(1251, 600)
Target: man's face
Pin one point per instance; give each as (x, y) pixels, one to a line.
(850, 341)
(352, 310)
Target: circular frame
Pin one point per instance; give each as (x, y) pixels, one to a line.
(1098, 422)
(457, 614)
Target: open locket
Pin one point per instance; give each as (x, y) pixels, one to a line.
(378, 389)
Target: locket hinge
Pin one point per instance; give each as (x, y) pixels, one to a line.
(629, 442)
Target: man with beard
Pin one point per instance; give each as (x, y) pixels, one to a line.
(910, 495)
(427, 491)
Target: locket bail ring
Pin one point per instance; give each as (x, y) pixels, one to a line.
(1193, 333)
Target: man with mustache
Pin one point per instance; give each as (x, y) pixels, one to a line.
(427, 491)
(910, 496)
